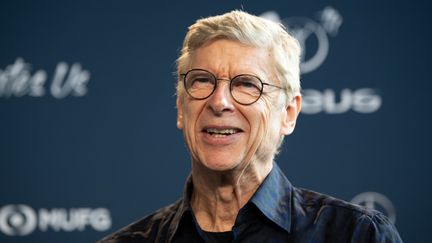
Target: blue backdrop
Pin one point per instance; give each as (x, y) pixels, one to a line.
(87, 110)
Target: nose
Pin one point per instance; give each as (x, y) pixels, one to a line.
(221, 101)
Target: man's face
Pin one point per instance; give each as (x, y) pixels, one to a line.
(222, 134)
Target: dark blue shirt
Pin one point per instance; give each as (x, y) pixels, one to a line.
(277, 212)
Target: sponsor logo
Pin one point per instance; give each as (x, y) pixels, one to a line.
(17, 80)
(17, 220)
(377, 201)
(20, 220)
(363, 100)
(313, 36)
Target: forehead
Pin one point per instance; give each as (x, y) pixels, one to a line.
(229, 58)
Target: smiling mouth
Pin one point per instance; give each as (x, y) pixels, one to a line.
(220, 133)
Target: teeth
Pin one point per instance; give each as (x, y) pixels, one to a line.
(220, 132)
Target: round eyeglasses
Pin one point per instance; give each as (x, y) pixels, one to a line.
(245, 89)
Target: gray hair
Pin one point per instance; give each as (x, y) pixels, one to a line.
(251, 30)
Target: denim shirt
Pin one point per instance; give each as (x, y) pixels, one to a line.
(277, 212)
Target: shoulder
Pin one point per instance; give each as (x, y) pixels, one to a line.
(148, 229)
(329, 214)
(314, 201)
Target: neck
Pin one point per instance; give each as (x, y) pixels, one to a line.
(219, 195)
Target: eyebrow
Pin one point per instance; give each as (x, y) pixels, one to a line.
(231, 76)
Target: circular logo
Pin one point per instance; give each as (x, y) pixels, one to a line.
(377, 201)
(313, 41)
(17, 220)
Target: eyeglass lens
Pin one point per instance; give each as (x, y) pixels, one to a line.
(244, 88)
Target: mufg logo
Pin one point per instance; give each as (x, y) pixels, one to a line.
(377, 201)
(21, 220)
(314, 38)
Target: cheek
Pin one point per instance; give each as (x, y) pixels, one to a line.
(189, 124)
(259, 123)
(267, 131)
(191, 112)
(264, 122)
(265, 119)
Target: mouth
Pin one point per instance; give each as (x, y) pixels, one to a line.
(221, 132)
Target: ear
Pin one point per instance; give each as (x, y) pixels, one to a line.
(290, 116)
(179, 105)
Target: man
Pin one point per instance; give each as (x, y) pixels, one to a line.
(238, 95)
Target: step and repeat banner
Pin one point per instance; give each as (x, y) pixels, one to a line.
(88, 137)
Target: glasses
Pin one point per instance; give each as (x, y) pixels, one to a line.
(245, 89)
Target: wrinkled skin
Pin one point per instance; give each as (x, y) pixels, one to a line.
(227, 170)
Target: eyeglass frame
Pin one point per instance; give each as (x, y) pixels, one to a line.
(184, 75)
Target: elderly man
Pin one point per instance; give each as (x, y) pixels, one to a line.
(238, 95)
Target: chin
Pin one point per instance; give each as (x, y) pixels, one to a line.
(218, 166)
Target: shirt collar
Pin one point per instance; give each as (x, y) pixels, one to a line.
(273, 198)
(184, 208)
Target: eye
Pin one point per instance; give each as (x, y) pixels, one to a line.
(202, 80)
(246, 82)
(198, 79)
